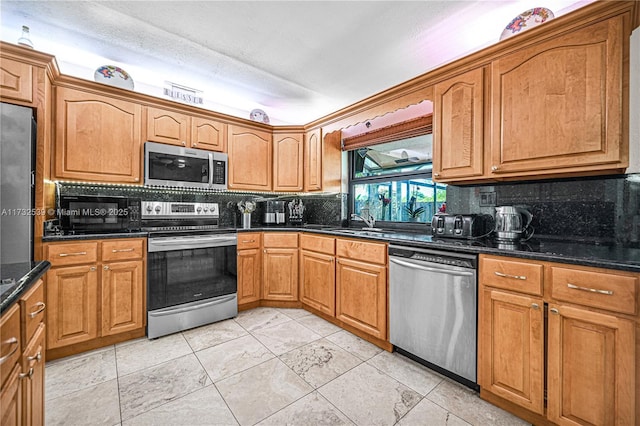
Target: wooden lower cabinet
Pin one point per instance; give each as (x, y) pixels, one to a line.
(101, 295)
(11, 399)
(318, 281)
(122, 297)
(591, 368)
(72, 298)
(361, 296)
(249, 265)
(512, 348)
(280, 274)
(33, 379)
(575, 342)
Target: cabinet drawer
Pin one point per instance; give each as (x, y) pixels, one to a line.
(248, 240)
(273, 239)
(605, 290)
(122, 249)
(10, 351)
(71, 253)
(32, 310)
(521, 276)
(361, 250)
(318, 244)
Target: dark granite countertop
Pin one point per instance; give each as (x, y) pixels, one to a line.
(58, 238)
(18, 278)
(583, 253)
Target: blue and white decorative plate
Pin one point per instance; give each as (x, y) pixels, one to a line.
(113, 76)
(259, 116)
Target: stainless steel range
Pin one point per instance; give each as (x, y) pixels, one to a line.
(192, 277)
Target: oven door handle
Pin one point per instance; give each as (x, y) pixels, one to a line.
(195, 242)
(172, 311)
(426, 268)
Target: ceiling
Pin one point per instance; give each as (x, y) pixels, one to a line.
(296, 60)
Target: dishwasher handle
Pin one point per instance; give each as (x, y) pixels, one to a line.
(430, 269)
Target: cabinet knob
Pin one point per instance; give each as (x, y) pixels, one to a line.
(494, 168)
(106, 268)
(184, 143)
(36, 357)
(535, 306)
(25, 375)
(93, 268)
(137, 179)
(436, 174)
(194, 144)
(554, 311)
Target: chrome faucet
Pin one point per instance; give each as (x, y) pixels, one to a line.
(371, 221)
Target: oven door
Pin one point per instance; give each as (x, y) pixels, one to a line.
(168, 165)
(187, 269)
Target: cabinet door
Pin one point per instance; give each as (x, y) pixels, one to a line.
(208, 134)
(97, 138)
(72, 305)
(288, 162)
(458, 127)
(11, 399)
(250, 158)
(361, 296)
(122, 297)
(557, 105)
(591, 368)
(249, 278)
(167, 127)
(10, 341)
(16, 80)
(280, 274)
(511, 348)
(33, 382)
(313, 161)
(318, 281)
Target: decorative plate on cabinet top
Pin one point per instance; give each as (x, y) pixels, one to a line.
(113, 76)
(526, 20)
(259, 116)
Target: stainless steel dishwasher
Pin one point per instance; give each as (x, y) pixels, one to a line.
(433, 309)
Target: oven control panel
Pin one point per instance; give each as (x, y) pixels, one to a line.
(170, 209)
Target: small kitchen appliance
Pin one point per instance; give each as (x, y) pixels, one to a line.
(274, 212)
(95, 214)
(513, 224)
(461, 225)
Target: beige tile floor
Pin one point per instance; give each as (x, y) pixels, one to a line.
(268, 367)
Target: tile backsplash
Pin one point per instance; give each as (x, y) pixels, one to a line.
(604, 209)
(320, 208)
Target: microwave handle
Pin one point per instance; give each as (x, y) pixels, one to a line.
(211, 170)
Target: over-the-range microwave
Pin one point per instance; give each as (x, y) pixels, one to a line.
(177, 166)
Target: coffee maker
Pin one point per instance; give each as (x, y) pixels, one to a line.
(273, 212)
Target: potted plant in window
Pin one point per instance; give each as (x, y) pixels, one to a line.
(413, 212)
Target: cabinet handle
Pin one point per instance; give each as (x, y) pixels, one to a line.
(36, 357)
(592, 290)
(93, 268)
(494, 168)
(122, 250)
(11, 341)
(40, 309)
(517, 277)
(106, 268)
(80, 253)
(535, 306)
(25, 375)
(250, 241)
(554, 311)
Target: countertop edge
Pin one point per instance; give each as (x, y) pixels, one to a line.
(28, 280)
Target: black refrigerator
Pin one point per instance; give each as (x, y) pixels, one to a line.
(17, 183)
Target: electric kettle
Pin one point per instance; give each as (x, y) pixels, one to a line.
(513, 224)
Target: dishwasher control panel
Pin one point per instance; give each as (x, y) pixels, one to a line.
(462, 260)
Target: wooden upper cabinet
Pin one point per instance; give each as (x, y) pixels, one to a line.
(250, 158)
(313, 160)
(16, 80)
(288, 162)
(208, 134)
(558, 105)
(458, 127)
(97, 138)
(167, 127)
(175, 128)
